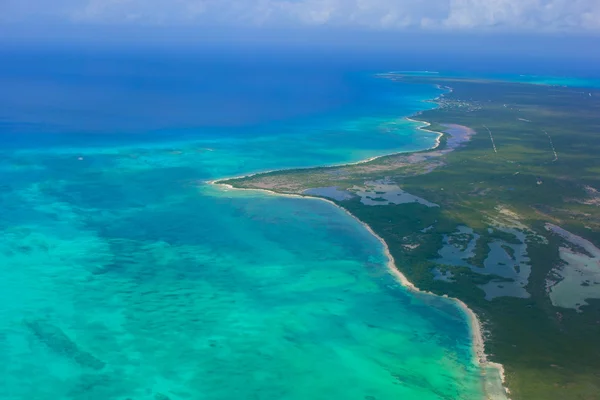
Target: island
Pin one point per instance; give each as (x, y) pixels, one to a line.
(502, 214)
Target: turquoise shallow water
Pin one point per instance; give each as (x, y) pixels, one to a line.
(555, 80)
(125, 276)
(550, 80)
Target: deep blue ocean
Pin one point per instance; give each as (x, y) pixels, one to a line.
(123, 275)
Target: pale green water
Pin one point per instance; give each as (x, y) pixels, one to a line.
(123, 276)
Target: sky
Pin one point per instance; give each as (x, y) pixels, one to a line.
(575, 16)
(568, 27)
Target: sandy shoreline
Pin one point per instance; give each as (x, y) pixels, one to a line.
(422, 128)
(474, 323)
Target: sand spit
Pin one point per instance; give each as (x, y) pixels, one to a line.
(459, 135)
(423, 127)
(493, 385)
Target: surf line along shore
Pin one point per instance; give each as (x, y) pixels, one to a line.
(423, 127)
(491, 392)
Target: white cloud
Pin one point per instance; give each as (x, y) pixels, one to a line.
(501, 15)
(546, 15)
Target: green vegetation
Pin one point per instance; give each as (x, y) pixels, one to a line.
(535, 159)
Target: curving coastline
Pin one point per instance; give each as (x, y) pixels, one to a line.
(423, 127)
(366, 160)
(559, 363)
(491, 391)
(474, 323)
